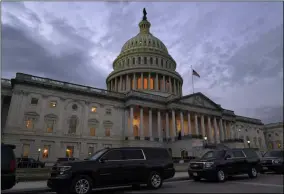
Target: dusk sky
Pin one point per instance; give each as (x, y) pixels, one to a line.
(236, 47)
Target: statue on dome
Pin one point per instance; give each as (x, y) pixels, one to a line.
(144, 14)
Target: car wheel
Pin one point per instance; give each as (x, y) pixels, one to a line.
(82, 185)
(196, 178)
(252, 172)
(155, 180)
(221, 176)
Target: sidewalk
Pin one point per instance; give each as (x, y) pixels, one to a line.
(41, 185)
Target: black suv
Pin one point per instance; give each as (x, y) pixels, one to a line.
(8, 166)
(273, 161)
(113, 167)
(220, 164)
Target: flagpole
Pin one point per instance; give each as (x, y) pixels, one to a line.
(192, 79)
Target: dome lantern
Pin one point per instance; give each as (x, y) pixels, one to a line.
(144, 25)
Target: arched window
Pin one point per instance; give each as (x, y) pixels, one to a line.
(145, 60)
(73, 122)
(139, 60)
(151, 60)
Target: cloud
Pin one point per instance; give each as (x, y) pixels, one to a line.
(236, 47)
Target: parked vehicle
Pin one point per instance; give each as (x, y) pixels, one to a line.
(25, 162)
(8, 166)
(221, 164)
(113, 167)
(66, 159)
(272, 161)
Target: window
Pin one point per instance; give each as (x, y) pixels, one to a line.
(52, 104)
(145, 60)
(269, 135)
(257, 131)
(107, 132)
(214, 154)
(151, 60)
(45, 152)
(50, 125)
(29, 123)
(108, 111)
(279, 145)
(92, 131)
(250, 153)
(73, 125)
(157, 153)
(26, 150)
(259, 142)
(133, 154)
(34, 101)
(69, 151)
(74, 107)
(94, 109)
(90, 151)
(139, 60)
(113, 155)
(238, 154)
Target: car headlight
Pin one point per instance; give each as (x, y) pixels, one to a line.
(208, 164)
(64, 168)
(276, 161)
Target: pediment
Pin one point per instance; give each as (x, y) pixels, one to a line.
(199, 99)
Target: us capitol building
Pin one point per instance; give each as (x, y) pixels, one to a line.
(142, 106)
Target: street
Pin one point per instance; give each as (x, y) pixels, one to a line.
(267, 183)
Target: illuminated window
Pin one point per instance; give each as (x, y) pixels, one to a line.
(270, 145)
(107, 132)
(145, 83)
(45, 152)
(34, 101)
(279, 145)
(94, 109)
(29, 123)
(135, 131)
(92, 131)
(26, 150)
(151, 83)
(69, 151)
(52, 104)
(50, 125)
(90, 150)
(139, 83)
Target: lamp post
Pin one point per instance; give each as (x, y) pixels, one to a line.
(205, 141)
(248, 143)
(38, 153)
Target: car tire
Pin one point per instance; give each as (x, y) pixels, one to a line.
(221, 175)
(252, 172)
(82, 182)
(155, 180)
(196, 178)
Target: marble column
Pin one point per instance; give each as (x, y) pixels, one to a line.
(149, 81)
(174, 124)
(189, 123)
(159, 126)
(181, 123)
(131, 122)
(142, 81)
(127, 83)
(167, 126)
(196, 124)
(216, 131)
(141, 123)
(170, 83)
(120, 84)
(221, 130)
(203, 126)
(157, 82)
(210, 135)
(150, 125)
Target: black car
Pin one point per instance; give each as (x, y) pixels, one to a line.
(8, 166)
(113, 167)
(221, 164)
(66, 159)
(272, 161)
(25, 162)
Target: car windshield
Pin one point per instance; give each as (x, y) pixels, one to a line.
(274, 154)
(96, 155)
(214, 154)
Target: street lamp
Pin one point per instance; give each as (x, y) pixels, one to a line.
(205, 141)
(248, 143)
(38, 153)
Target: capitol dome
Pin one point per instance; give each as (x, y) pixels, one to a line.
(144, 64)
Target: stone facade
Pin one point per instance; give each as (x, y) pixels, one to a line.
(142, 106)
(273, 133)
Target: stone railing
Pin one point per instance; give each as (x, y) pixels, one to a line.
(147, 96)
(6, 82)
(66, 85)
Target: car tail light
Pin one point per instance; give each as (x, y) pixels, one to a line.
(12, 165)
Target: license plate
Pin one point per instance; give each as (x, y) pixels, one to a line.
(195, 174)
(264, 168)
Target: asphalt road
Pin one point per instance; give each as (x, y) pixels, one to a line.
(269, 183)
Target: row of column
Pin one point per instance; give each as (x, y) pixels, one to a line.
(145, 81)
(221, 131)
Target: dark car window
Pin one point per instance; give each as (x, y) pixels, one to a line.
(32, 160)
(113, 155)
(214, 154)
(274, 154)
(251, 153)
(157, 154)
(238, 154)
(133, 154)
